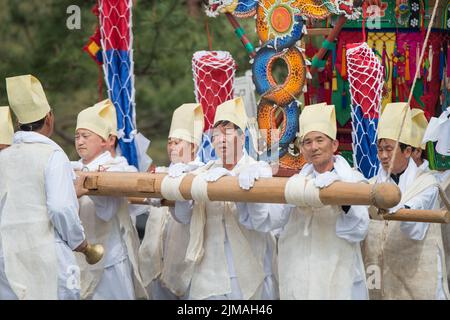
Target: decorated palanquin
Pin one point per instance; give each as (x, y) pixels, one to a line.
(280, 25)
(397, 38)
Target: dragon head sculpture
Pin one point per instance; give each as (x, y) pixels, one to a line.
(214, 7)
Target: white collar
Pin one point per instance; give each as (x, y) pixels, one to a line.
(33, 137)
(406, 179)
(97, 162)
(341, 168)
(425, 165)
(244, 160)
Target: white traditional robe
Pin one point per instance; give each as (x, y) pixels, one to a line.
(165, 241)
(107, 220)
(319, 254)
(237, 262)
(62, 208)
(410, 253)
(153, 251)
(444, 180)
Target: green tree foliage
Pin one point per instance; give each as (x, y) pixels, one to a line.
(35, 40)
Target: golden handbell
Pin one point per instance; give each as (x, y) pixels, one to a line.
(93, 253)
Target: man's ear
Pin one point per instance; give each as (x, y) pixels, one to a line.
(105, 143)
(194, 150)
(242, 137)
(335, 144)
(407, 152)
(48, 119)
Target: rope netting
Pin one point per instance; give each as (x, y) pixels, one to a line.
(115, 18)
(213, 73)
(365, 74)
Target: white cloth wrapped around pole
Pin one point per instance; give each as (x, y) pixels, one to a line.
(301, 191)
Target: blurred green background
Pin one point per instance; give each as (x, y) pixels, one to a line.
(35, 40)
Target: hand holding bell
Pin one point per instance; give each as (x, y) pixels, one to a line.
(93, 253)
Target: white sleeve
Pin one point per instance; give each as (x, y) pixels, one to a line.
(106, 207)
(353, 225)
(182, 212)
(425, 201)
(263, 217)
(137, 209)
(62, 202)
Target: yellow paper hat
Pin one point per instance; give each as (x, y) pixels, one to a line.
(98, 118)
(6, 126)
(391, 120)
(419, 126)
(233, 111)
(107, 109)
(187, 123)
(318, 117)
(27, 98)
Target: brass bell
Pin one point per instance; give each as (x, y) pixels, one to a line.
(94, 253)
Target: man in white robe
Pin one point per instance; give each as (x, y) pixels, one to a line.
(439, 130)
(39, 223)
(106, 219)
(408, 255)
(319, 254)
(161, 254)
(231, 260)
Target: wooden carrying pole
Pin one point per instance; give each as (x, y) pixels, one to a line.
(433, 216)
(269, 190)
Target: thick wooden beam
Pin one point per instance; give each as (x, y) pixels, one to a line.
(268, 190)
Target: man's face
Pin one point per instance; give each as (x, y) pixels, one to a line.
(386, 153)
(228, 143)
(416, 155)
(318, 149)
(180, 150)
(89, 145)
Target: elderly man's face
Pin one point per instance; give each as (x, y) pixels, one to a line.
(228, 143)
(386, 153)
(318, 149)
(180, 150)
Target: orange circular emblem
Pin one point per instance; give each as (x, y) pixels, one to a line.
(281, 19)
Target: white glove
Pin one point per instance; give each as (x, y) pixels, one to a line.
(248, 176)
(161, 170)
(216, 173)
(179, 168)
(325, 179)
(76, 166)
